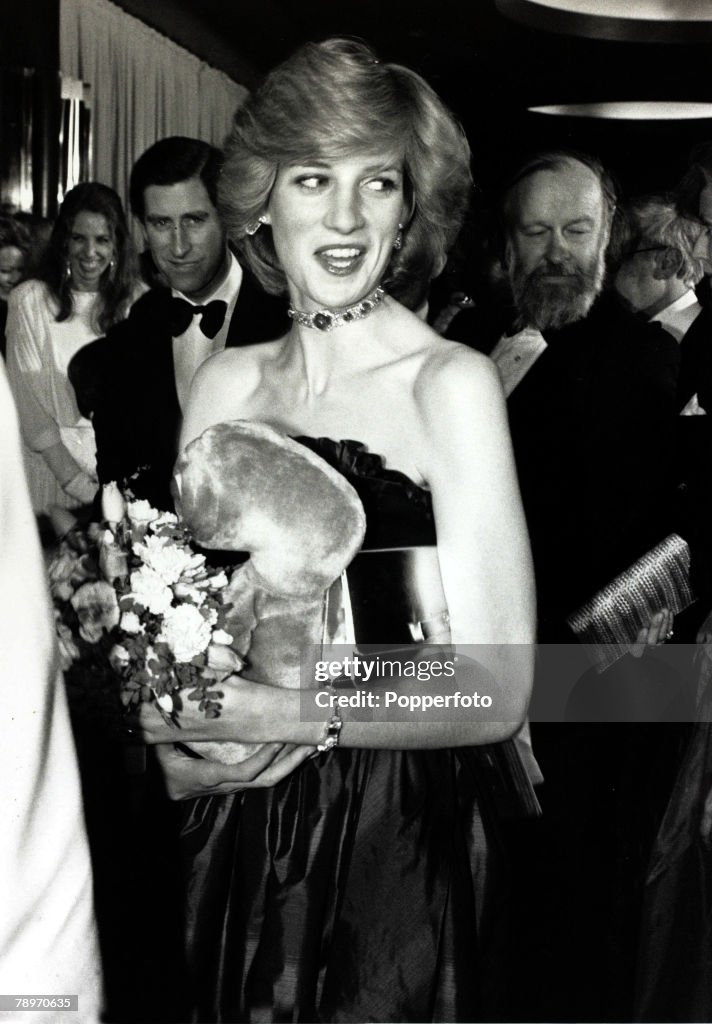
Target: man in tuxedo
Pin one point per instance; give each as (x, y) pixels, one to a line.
(661, 263)
(591, 394)
(590, 389)
(656, 276)
(134, 383)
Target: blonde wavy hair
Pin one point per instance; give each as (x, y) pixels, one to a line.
(334, 99)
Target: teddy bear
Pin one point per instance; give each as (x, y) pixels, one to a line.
(245, 487)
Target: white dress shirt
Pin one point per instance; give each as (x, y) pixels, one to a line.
(514, 356)
(192, 348)
(677, 318)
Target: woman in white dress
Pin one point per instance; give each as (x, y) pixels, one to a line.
(86, 284)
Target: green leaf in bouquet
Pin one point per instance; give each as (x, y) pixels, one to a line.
(185, 675)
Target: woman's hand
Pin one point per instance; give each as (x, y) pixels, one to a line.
(188, 777)
(658, 631)
(248, 714)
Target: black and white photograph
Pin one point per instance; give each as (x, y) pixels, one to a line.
(356, 511)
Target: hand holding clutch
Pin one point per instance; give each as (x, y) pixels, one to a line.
(658, 631)
(613, 619)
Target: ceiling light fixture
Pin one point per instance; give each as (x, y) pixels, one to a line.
(631, 110)
(641, 21)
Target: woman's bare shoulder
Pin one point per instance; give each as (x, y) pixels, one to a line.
(458, 395)
(451, 366)
(239, 365)
(435, 353)
(226, 386)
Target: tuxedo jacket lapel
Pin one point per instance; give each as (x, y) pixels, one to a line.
(553, 382)
(257, 316)
(157, 352)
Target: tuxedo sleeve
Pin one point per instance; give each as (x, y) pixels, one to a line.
(98, 375)
(633, 414)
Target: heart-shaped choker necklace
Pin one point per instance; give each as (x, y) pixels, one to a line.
(328, 319)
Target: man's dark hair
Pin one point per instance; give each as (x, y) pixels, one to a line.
(171, 161)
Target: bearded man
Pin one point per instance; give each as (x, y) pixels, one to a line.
(591, 394)
(590, 388)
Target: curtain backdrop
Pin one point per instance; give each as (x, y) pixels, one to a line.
(143, 87)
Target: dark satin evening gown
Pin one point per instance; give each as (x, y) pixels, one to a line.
(360, 887)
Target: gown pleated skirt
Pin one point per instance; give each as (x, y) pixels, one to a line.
(358, 889)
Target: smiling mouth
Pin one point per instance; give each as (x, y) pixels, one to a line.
(183, 266)
(340, 259)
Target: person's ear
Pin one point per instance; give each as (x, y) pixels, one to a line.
(408, 204)
(667, 263)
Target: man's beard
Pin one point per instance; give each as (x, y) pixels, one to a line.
(547, 305)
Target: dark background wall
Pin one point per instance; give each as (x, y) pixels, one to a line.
(489, 69)
(29, 98)
(29, 35)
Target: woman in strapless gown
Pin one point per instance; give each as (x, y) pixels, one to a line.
(344, 872)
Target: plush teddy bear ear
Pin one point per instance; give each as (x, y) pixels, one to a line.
(195, 497)
(245, 487)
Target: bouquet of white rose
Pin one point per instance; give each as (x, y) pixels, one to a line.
(138, 610)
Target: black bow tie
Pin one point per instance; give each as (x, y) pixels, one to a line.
(182, 313)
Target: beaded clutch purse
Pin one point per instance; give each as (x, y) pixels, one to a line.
(609, 621)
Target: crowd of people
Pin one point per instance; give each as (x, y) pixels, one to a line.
(527, 447)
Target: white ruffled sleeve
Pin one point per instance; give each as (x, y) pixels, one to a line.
(28, 363)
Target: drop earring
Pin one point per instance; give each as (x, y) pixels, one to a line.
(253, 228)
(398, 241)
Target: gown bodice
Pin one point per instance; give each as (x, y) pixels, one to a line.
(394, 582)
(399, 512)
